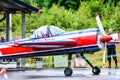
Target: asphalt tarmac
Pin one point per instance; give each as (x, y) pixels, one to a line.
(58, 74)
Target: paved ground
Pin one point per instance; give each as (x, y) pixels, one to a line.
(58, 74)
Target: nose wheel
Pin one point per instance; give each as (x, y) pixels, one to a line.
(96, 70)
(68, 71)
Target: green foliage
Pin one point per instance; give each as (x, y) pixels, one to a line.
(73, 4)
(69, 4)
(66, 19)
(2, 24)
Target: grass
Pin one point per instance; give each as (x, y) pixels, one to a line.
(96, 58)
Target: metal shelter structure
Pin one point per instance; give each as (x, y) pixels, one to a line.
(9, 7)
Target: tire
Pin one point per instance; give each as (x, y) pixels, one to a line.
(68, 71)
(96, 70)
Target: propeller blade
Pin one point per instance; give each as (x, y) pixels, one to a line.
(100, 25)
(104, 54)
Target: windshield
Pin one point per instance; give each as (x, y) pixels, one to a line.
(46, 31)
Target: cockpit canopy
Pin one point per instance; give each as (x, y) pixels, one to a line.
(46, 31)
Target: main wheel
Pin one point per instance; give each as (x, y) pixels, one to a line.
(96, 70)
(68, 71)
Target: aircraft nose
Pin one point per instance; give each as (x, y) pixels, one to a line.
(106, 38)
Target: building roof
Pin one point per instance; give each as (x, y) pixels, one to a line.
(17, 6)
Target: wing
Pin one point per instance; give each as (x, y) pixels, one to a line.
(49, 44)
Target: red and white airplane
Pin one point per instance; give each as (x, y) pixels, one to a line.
(51, 40)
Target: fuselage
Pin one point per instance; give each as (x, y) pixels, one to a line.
(85, 42)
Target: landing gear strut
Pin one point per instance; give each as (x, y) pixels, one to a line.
(95, 69)
(68, 71)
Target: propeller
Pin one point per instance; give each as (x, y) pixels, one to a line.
(105, 38)
(102, 39)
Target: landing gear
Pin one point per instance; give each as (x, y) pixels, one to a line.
(95, 69)
(68, 71)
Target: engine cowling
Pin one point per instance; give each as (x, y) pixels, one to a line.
(102, 39)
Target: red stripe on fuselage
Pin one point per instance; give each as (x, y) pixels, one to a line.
(87, 40)
(13, 50)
